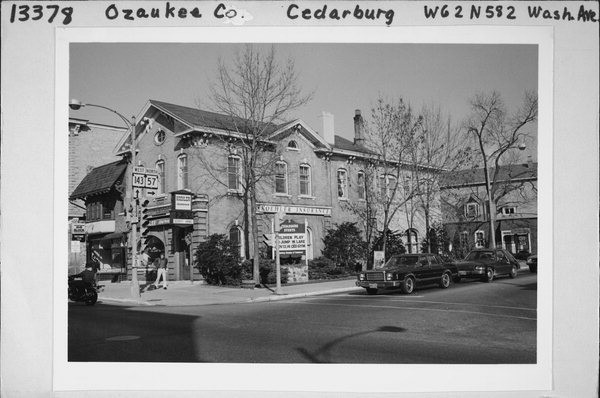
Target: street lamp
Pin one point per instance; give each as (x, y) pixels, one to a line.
(75, 105)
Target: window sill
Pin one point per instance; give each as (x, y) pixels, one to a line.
(292, 149)
(306, 197)
(282, 195)
(343, 199)
(234, 193)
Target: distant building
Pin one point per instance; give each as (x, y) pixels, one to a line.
(315, 175)
(465, 212)
(90, 145)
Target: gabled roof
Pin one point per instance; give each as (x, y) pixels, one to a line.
(526, 171)
(100, 179)
(197, 118)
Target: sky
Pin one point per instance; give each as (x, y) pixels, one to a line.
(342, 77)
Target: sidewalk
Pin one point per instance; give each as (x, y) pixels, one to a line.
(180, 293)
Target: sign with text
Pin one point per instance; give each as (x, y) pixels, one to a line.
(307, 210)
(182, 201)
(292, 236)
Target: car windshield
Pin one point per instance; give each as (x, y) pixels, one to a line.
(397, 261)
(480, 255)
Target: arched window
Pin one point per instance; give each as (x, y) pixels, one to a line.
(362, 193)
(342, 184)
(182, 172)
(281, 185)
(292, 145)
(412, 240)
(479, 239)
(305, 180)
(234, 173)
(160, 167)
(236, 237)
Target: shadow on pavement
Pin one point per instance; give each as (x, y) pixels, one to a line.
(110, 333)
(323, 354)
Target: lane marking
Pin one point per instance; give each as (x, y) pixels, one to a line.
(418, 309)
(444, 302)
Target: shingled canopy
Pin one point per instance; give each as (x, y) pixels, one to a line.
(99, 180)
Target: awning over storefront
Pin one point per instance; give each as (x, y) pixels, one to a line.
(99, 180)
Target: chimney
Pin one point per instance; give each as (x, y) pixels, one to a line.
(359, 138)
(328, 133)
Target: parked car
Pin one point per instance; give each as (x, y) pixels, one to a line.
(486, 264)
(405, 271)
(522, 255)
(532, 263)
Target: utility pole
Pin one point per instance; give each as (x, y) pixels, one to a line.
(135, 285)
(278, 217)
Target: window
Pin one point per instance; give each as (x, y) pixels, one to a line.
(471, 210)
(342, 184)
(464, 238)
(509, 210)
(160, 167)
(236, 238)
(281, 177)
(305, 182)
(292, 145)
(407, 186)
(159, 137)
(412, 241)
(182, 172)
(387, 184)
(479, 239)
(361, 185)
(234, 174)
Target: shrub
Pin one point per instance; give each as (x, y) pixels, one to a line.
(344, 245)
(268, 272)
(218, 261)
(323, 268)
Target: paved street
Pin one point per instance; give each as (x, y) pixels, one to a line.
(471, 322)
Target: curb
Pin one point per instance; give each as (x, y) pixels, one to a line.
(307, 294)
(125, 301)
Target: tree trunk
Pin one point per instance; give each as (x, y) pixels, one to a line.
(246, 227)
(254, 219)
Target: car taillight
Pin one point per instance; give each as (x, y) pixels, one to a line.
(389, 276)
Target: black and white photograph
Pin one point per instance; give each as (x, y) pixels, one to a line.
(379, 206)
(294, 206)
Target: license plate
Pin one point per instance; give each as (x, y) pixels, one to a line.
(372, 285)
(462, 272)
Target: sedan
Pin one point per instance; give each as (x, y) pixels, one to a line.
(486, 264)
(405, 271)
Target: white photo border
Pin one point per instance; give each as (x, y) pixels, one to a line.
(284, 377)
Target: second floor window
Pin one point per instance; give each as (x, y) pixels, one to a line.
(361, 185)
(342, 184)
(182, 172)
(281, 177)
(387, 185)
(305, 188)
(471, 210)
(234, 180)
(160, 167)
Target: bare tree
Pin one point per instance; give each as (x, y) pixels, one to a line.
(256, 93)
(391, 134)
(497, 134)
(437, 150)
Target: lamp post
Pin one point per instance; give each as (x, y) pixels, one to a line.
(135, 286)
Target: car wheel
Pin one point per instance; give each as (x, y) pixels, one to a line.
(91, 300)
(445, 281)
(408, 285)
(533, 268)
(489, 275)
(513, 272)
(371, 291)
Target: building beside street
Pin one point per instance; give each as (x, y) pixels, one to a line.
(90, 145)
(465, 211)
(312, 176)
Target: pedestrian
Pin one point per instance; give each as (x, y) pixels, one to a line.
(161, 270)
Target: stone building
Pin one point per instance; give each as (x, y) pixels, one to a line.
(311, 176)
(465, 211)
(90, 145)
